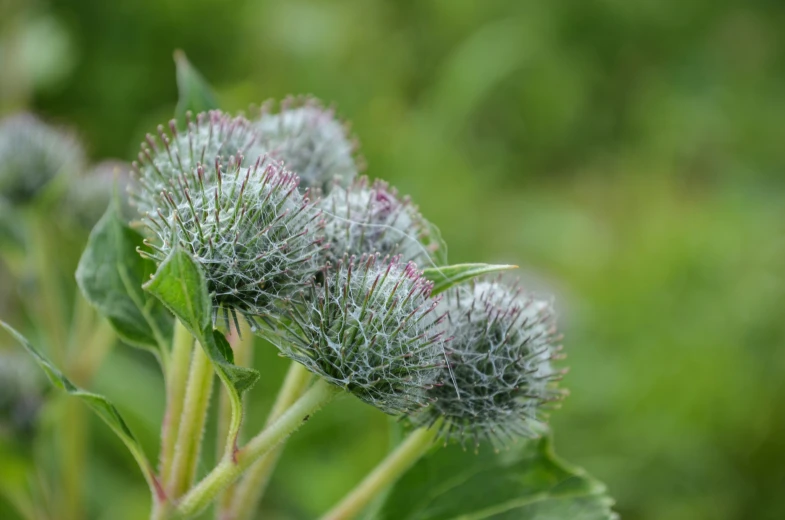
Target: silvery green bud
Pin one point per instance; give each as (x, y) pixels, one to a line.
(370, 328)
(166, 163)
(500, 371)
(310, 141)
(20, 394)
(366, 218)
(254, 234)
(33, 153)
(89, 195)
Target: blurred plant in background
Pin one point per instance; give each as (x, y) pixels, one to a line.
(630, 152)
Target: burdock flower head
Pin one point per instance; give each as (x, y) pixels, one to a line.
(500, 371)
(33, 153)
(310, 141)
(366, 218)
(165, 164)
(251, 230)
(371, 329)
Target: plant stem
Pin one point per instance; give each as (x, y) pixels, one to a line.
(242, 342)
(192, 420)
(227, 471)
(176, 381)
(248, 493)
(386, 473)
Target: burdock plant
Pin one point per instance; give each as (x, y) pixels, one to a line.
(258, 226)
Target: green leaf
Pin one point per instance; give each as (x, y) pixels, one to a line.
(110, 275)
(180, 285)
(445, 277)
(529, 482)
(98, 403)
(195, 95)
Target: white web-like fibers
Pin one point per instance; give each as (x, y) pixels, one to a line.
(504, 342)
(167, 164)
(366, 219)
(310, 141)
(31, 154)
(371, 329)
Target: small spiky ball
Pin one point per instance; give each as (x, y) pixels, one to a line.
(165, 164)
(20, 394)
(370, 328)
(500, 371)
(33, 153)
(310, 141)
(254, 234)
(366, 218)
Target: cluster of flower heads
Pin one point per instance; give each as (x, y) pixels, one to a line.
(369, 326)
(334, 282)
(500, 371)
(32, 154)
(372, 217)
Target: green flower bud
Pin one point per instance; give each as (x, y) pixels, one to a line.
(310, 141)
(33, 153)
(372, 218)
(369, 328)
(500, 372)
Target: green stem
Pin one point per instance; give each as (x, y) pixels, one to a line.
(249, 492)
(230, 468)
(176, 382)
(385, 474)
(242, 342)
(192, 420)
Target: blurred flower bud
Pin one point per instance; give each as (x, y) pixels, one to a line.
(88, 195)
(33, 153)
(369, 328)
(310, 141)
(367, 219)
(500, 371)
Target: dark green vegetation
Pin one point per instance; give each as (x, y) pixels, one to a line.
(628, 155)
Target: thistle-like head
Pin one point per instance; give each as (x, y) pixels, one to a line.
(310, 141)
(89, 195)
(33, 153)
(367, 218)
(168, 161)
(255, 236)
(371, 328)
(500, 370)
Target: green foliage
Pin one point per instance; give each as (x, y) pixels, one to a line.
(528, 482)
(195, 93)
(445, 277)
(102, 407)
(110, 275)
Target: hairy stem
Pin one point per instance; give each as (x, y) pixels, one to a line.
(385, 474)
(230, 468)
(176, 382)
(192, 420)
(242, 342)
(248, 493)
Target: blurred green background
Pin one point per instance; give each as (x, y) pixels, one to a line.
(628, 156)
